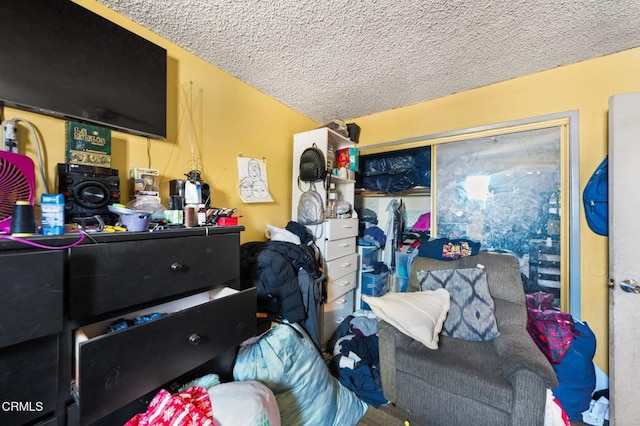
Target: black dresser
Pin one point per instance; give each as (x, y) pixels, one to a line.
(59, 364)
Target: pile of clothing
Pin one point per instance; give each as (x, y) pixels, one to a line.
(205, 401)
(355, 360)
(570, 346)
(287, 275)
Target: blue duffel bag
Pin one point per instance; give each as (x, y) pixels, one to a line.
(576, 373)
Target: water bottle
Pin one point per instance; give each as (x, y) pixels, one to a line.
(332, 200)
(52, 208)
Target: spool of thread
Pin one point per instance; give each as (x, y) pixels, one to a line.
(23, 222)
(190, 218)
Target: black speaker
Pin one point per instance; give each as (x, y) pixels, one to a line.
(88, 191)
(176, 194)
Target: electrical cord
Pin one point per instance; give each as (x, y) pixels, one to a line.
(43, 246)
(34, 133)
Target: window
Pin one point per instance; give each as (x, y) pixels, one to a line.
(505, 192)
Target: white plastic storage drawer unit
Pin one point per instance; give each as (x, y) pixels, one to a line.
(342, 228)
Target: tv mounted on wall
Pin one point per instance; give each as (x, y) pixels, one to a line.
(60, 59)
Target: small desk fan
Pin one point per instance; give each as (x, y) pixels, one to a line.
(17, 183)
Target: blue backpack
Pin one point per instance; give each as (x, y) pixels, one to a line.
(596, 199)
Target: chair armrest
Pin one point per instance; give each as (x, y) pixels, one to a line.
(529, 398)
(518, 351)
(389, 339)
(399, 339)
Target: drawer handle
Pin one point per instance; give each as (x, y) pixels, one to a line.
(347, 226)
(194, 339)
(176, 266)
(344, 245)
(346, 264)
(341, 301)
(345, 282)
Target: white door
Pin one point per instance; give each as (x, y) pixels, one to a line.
(624, 258)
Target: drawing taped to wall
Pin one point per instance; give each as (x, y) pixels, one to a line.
(252, 180)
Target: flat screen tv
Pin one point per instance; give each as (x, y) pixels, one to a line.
(60, 59)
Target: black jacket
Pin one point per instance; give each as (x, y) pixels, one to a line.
(272, 267)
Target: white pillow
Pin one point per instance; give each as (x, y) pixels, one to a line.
(247, 403)
(420, 315)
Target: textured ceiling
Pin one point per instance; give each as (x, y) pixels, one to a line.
(344, 58)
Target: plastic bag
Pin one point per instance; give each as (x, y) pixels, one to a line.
(286, 360)
(552, 331)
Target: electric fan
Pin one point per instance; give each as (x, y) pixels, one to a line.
(17, 183)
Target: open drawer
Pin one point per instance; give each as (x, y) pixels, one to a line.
(115, 368)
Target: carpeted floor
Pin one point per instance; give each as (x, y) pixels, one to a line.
(390, 415)
(387, 415)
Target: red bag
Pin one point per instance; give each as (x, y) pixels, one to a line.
(552, 331)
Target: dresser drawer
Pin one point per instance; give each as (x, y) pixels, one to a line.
(340, 267)
(340, 286)
(114, 369)
(339, 248)
(29, 376)
(30, 295)
(335, 312)
(118, 275)
(53, 421)
(341, 228)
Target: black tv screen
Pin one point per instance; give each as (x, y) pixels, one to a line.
(58, 58)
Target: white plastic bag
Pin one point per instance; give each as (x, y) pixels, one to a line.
(554, 414)
(597, 413)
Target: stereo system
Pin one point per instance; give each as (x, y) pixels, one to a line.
(88, 191)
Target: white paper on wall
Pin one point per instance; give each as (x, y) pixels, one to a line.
(253, 185)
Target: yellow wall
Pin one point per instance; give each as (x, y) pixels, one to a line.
(584, 87)
(218, 114)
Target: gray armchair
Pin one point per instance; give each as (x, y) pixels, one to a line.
(500, 382)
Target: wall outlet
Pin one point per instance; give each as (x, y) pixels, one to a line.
(9, 136)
